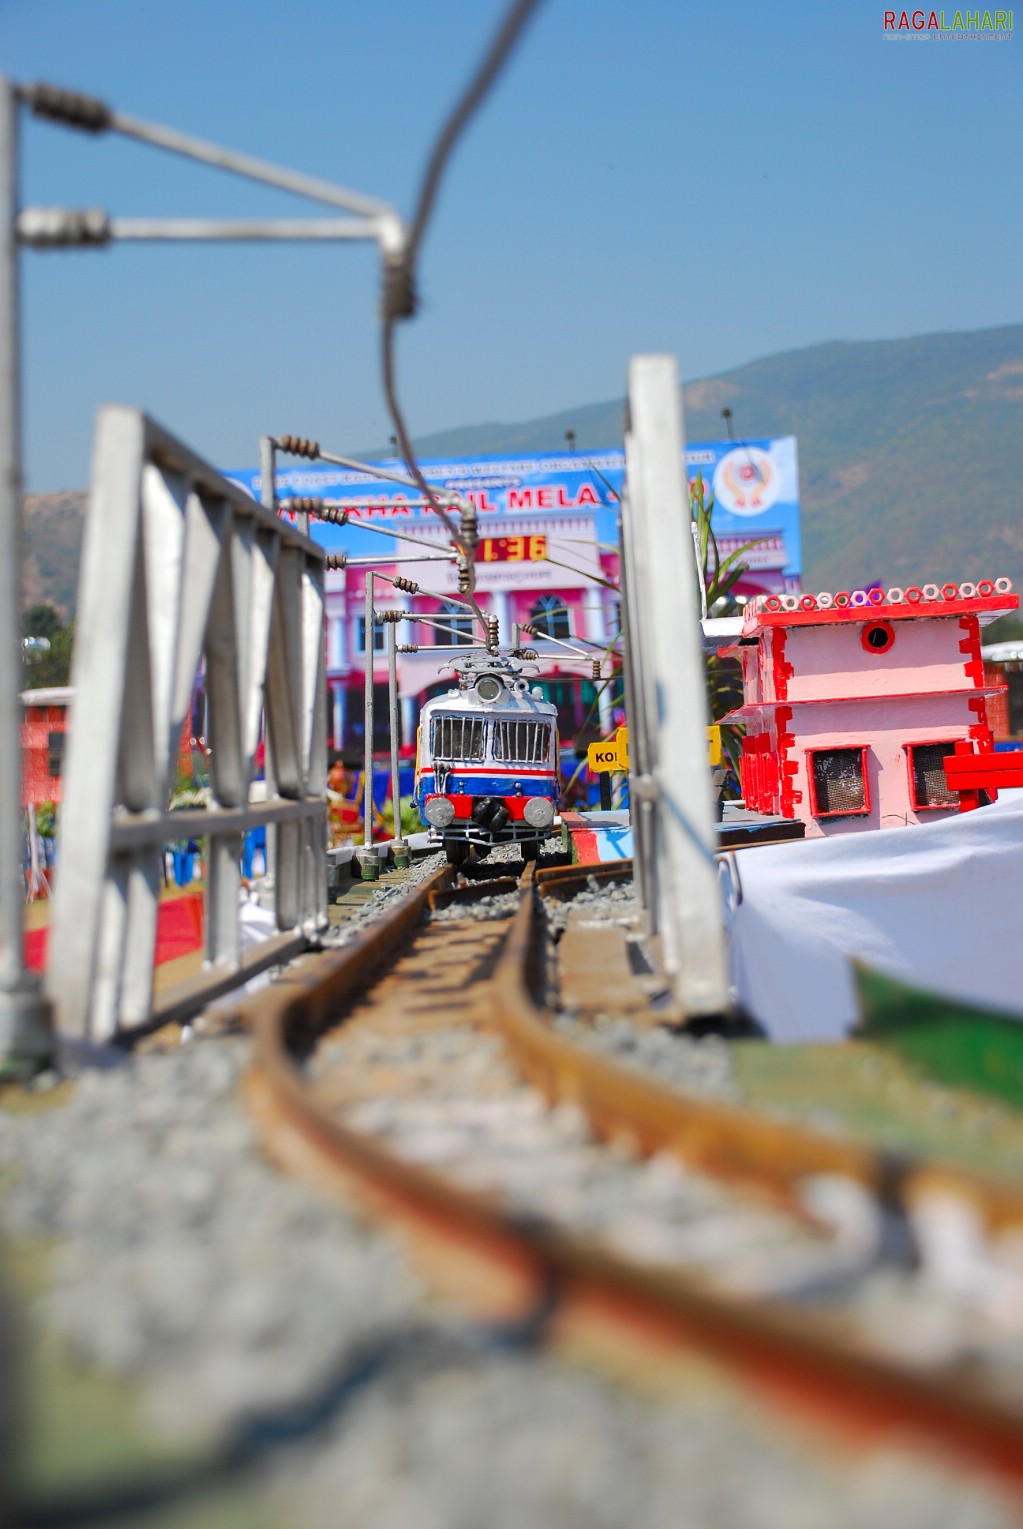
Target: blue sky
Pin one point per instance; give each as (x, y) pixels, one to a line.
(718, 180)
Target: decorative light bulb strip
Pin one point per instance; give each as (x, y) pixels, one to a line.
(928, 594)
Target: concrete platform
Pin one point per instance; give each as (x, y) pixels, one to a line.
(740, 828)
(597, 837)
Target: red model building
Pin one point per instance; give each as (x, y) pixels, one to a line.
(852, 702)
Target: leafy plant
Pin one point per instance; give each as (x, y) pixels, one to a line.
(41, 620)
(46, 819)
(720, 577)
(49, 664)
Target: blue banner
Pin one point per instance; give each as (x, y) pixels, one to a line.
(755, 486)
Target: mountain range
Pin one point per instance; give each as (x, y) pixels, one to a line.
(906, 453)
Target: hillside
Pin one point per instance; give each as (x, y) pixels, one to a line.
(906, 449)
(53, 547)
(907, 453)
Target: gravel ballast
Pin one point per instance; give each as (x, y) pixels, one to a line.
(182, 1260)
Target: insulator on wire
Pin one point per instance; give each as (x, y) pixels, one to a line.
(528, 653)
(307, 507)
(407, 647)
(390, 616)
(408, 585)
(298, 446)
(63, 227)
(524, 626)
(493, 633)
(596, 669)
(336, 560)
(399, 295)
(332, 512)
(464, 576)
(470, 532)
(68, 107)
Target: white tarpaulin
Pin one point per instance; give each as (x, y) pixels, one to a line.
(939, 904)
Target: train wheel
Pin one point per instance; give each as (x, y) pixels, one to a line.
(457, 851)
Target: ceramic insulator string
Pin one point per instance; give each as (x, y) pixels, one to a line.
(67, 107)
(299, 446)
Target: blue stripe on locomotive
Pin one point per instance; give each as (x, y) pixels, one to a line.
(488, 785)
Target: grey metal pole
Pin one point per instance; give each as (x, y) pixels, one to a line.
(26, 1032)
(268, 499)
(667, 733)
(369, 863)
(267, 472)
(68, 227)
(399, 849)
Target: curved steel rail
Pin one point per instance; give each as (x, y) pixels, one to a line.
(741, 1146)
(510, 1264)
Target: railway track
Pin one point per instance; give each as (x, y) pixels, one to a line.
(418, 1070)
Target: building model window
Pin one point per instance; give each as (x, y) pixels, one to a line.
(878, 637)
(55, 752)
(927, 775)
(838, 779)
(455, 626)
(379, 638)
(550, 617)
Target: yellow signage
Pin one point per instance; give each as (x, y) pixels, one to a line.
(613, 753)
(602, 757)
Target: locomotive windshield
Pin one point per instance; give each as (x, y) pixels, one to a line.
(457, 737)
(511, 742)
(523, 743)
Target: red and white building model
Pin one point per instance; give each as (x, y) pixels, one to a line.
(853, 702)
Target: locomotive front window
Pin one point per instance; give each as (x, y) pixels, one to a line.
(457, 738)
(523, 743)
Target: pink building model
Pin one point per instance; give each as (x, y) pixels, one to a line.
(852, 702)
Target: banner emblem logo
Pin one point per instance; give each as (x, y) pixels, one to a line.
(746, 481)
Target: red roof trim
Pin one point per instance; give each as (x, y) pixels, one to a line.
(904, 611)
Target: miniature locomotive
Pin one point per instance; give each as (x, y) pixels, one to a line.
(487, 761)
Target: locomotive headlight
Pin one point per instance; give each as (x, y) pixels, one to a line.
(489, 687)
(438, 811)
(539, 812)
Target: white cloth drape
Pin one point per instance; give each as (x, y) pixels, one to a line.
(940, 904)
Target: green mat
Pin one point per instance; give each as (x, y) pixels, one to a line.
(949, 1039)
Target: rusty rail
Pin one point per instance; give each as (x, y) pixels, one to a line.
(735, 1144)
(509, 1265)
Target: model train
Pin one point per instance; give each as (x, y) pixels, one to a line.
(487, 760)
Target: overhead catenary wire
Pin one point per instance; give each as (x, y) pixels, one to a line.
(300, 447)
(538, 631)
(463, 540)
(441, 626)
(399, 297)
(398, 557)
(338, 515)
(73, 109)
(431, 594)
